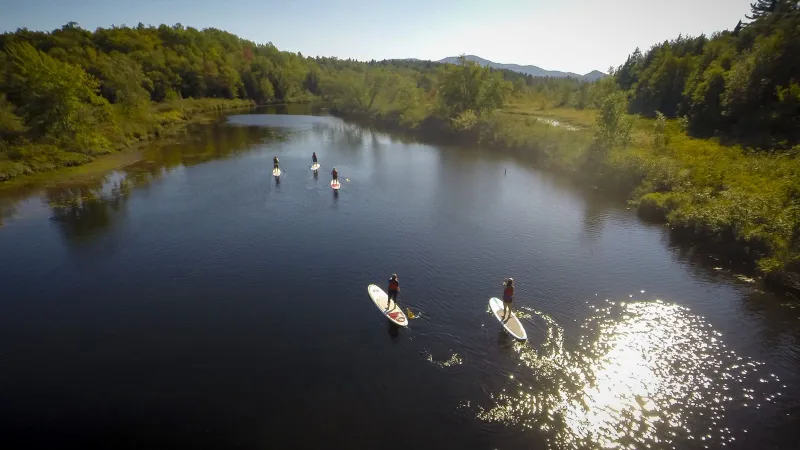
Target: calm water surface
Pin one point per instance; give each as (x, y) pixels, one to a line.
(194, 301)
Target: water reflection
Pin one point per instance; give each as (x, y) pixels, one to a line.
(84, 210)
(7, 209)
(342, 134)
(393, 329)
(644, 374)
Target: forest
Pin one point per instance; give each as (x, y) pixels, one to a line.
(69, 95)
(743, 85)
(700, 132)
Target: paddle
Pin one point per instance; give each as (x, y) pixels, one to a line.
(408, 310)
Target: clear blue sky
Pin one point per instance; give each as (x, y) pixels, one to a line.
(572, 35)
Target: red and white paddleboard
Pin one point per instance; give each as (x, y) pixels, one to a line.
(395, 314)
(335, 185)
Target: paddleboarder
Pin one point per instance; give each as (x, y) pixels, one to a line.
(335, 175)
(394, 287)
(508, 297)
(314, 158)
(275, 163)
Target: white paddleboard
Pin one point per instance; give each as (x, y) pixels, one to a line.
(276, 172)
(315, 166)
(511, 323)
(335, 185)
(381, 299)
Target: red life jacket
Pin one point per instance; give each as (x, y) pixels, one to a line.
(508, 293)
(394, 285)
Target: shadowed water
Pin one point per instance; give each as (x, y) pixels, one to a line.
(192, 300)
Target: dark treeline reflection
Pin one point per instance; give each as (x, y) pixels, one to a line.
(86, 210)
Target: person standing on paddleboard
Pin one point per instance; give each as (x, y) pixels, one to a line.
(274, 163)
(508, 296)
(394, 287)
(314, 158)
(335, 175)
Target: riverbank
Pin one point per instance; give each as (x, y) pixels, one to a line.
(745, 205)
(34, 162)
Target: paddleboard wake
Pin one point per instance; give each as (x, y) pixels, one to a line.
(381, 300)
(276, 172)
(315, 166)
(511, 323)
(335, 185)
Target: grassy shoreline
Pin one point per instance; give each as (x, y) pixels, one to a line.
(166, 120)
(738, 204)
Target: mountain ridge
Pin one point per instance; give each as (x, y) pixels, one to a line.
(532, 70)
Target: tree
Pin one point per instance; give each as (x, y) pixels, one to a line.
(122, 81)
(627, 75)
(345, 89)
(738, 28)
(520, 86)
(10, 124)
(660, 136)
(612, 127)
(56, 99)
(762, 8)
(467, 86)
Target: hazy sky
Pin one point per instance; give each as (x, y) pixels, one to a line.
(571, 35)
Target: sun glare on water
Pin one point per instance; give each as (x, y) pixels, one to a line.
(644, 375)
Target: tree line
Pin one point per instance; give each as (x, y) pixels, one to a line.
(742, 84)
(72, 93)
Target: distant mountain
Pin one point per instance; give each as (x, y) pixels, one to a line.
(529, 70)
(594, 75)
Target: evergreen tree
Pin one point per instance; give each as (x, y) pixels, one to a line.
(762, 8)
(765, 8)
(737, 28)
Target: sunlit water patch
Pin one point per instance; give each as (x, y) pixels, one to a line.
(643, 375)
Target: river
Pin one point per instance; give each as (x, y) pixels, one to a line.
(191, 300)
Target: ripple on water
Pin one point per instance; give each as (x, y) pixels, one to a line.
(643, 374)
(454, 360)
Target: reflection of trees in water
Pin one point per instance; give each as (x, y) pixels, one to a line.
(291, 109)
(781, 314)
(595, 215)
(778, 310)
(7, 209)
(84, 211)
(87, 210)
(712, 261)
(209, 142)
(342, 135)
(349, 136)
